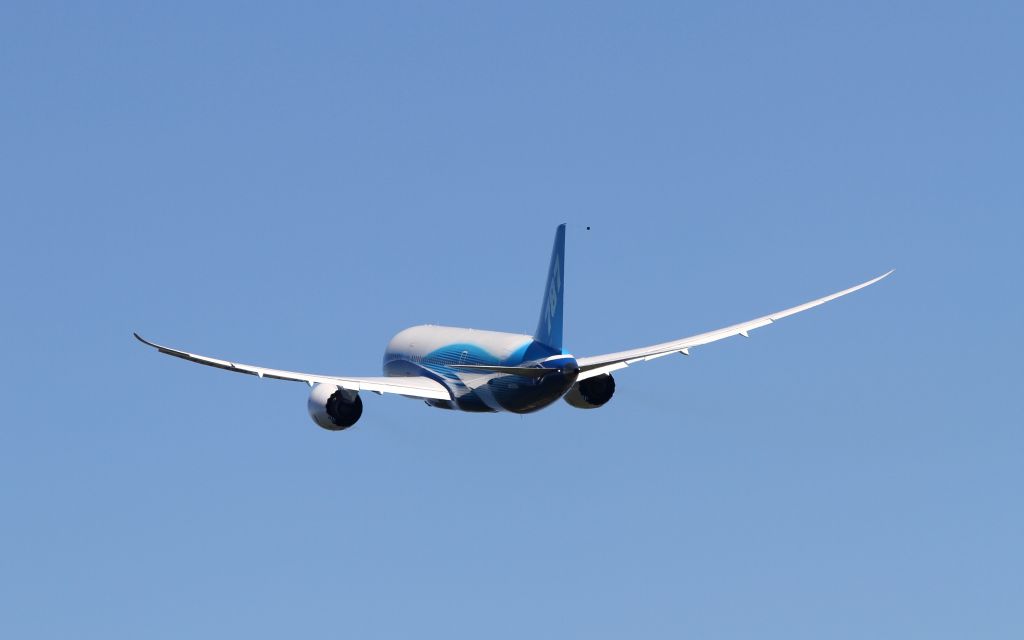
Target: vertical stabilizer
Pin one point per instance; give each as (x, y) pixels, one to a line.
(549, 328)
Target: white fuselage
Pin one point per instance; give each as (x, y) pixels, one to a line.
(437, 352)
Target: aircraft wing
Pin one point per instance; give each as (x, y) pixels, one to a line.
(414, 386)
(596, 365)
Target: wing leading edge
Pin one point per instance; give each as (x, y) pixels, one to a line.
(596, 365)
(414, 386)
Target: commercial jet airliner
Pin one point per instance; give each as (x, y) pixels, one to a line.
(487, 371)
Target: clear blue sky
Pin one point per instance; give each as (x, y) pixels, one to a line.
(292, 185)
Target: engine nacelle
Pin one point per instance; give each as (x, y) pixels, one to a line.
(592, 392)
(334, 408)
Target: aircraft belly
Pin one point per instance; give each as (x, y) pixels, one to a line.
(488, 392)
(526, 395)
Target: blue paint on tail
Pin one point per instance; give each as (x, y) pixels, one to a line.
(549, 328)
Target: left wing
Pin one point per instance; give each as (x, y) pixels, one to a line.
(596, 365)
(414, 386)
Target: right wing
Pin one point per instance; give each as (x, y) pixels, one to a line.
(596, 365)
(414, 386)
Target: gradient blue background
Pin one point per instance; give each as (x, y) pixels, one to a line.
(292, 185)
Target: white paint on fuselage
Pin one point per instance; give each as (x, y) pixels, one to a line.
(419, 342)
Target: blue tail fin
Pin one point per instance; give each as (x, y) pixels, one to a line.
(549, 328)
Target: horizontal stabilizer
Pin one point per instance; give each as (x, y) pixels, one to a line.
(526, 372)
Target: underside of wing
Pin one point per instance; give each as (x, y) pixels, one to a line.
(596, 365)
(414, 386)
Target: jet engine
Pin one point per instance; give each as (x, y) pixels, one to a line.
(592, 392)
(334, 408)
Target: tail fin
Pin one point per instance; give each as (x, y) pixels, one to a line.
(549, 328)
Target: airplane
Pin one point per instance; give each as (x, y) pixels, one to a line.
(490, 371)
